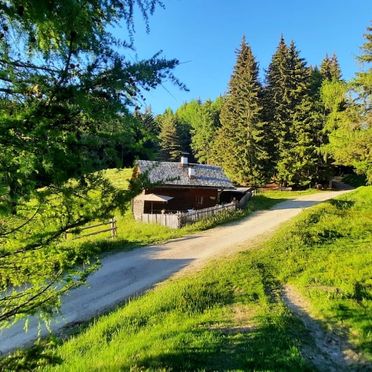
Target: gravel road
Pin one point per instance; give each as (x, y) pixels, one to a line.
(126, 274)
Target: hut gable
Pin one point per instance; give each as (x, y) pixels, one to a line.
(184, 175)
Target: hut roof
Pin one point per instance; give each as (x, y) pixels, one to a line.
(173, 173)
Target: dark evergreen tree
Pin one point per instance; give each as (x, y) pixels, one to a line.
(239, 146)
(330, 68)
(276, 98)
(316, 81)
(146, 139)
(294, 117)
(292, 157)
(170, 136)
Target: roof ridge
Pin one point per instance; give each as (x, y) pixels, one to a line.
(172, 173)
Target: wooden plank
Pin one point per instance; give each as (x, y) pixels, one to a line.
(87, 227)
(93, 233)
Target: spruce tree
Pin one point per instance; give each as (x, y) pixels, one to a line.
(330, 68)
(294, 117)
(291, 151)
(239, 146)
(276, 102)
(316, 81)
(169, 136)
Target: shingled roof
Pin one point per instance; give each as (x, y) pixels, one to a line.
(173, 173)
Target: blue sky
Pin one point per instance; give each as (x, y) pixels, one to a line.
(204, 34)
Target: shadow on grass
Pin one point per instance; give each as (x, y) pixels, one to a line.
(269, 347)
(360, 315)
(38, 356)
(112, 246)
(342, 204)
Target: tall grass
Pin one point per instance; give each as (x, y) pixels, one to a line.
(327, 255)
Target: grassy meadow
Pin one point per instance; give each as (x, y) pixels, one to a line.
(230, 315)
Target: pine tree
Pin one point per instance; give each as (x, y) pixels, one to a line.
(276, 102)
(239, 144)
(295, 117)
(169, 136)
(330, 68)
(316, 81)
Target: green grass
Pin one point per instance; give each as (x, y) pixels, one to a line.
(329, 259)
(225, 318)
(119, 177)
(230, 316)
(277, 194)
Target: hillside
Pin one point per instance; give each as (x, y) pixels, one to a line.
(231, 315)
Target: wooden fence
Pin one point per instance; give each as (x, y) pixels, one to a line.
(177, 220)
(113, 229)
(170, 220)
(191, 217)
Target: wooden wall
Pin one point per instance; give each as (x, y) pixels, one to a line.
(138, 206)
(184, 199)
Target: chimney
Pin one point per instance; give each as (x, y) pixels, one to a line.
(191, 172)
(184, 161)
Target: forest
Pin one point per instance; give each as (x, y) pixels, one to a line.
(300, 127)
(70, 107)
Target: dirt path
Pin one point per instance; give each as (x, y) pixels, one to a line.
(331, 352)
(127, 274)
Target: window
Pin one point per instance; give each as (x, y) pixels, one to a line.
(199, 200)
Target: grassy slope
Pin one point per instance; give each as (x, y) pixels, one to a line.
(230, 315)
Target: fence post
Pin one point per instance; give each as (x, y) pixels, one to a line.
(113, 227)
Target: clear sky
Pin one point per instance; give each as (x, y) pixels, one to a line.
(204, 34)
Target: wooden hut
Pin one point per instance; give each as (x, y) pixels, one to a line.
(179, 186)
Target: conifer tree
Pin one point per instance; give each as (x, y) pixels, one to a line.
(294, 150)
(239, 146)
(169, 136)
(330, 68)
(294, 117)
(316, 81)
(276, 102)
